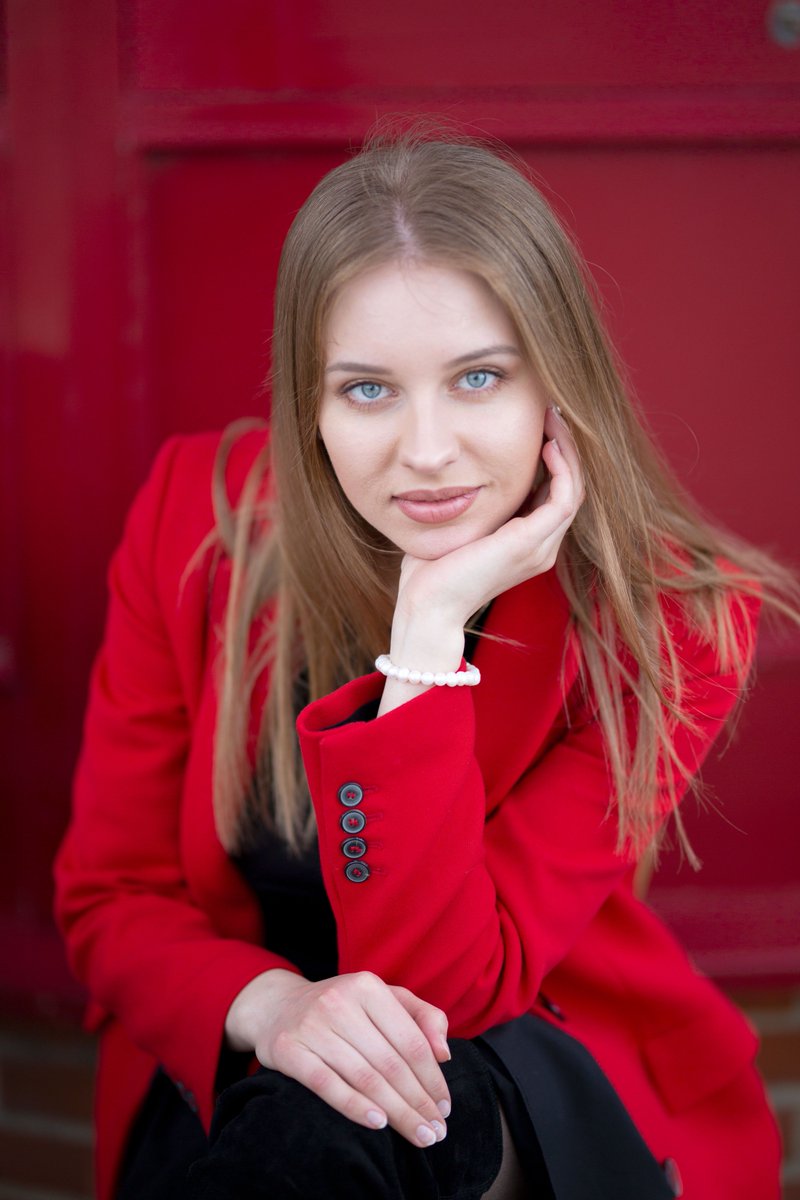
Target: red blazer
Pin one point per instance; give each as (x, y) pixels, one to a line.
(493, 870)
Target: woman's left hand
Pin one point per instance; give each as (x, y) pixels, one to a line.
(436, 597)
(460, 583)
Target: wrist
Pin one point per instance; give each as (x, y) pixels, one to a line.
(426, 645)
(420, 646)
(252, 1007)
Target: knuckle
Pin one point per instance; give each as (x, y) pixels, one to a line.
(283, 1045)
(351, 1106)
(366, 1079)
(391, 1067)
(330, 998)
(417, 1051)
(318, 1078)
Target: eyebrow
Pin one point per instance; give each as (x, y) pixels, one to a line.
(372, 369)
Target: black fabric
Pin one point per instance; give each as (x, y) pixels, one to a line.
(591, 1148)
(165, 1139)
(523, 1134)
(272, 1139)
(297, 914)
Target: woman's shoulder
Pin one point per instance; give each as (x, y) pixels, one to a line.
(174, 513)
(187, 464)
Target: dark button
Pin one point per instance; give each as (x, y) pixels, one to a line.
(354, 848)
(350, 794)
(357, 872)
(673, 1175)
(352, 822)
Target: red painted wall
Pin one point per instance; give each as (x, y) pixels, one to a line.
(152, 154)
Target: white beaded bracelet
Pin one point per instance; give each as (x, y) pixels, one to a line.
(468, 678)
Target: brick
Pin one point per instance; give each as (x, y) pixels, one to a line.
(766, 998)
(779, 1057)
(786, 1122)
(45, 1162)
(49, 1088)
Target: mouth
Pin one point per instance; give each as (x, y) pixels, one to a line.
(433, 507)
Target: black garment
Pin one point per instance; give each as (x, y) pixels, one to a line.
(273, 1139)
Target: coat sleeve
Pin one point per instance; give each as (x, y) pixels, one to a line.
(136, 937)
(469, 913)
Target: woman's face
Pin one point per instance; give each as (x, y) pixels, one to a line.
(431, 417)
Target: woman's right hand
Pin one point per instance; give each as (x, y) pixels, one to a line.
(367, 1048)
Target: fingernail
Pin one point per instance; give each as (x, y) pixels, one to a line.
(439, 1129)
(425, 1135)
(446, 1049)
(553, 442)
(444, 1108)
(376, 1119)
(555, 408)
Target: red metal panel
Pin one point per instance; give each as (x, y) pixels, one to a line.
(214, 227)
(357, 44)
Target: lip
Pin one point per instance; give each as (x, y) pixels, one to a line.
(435, 507)
(428, 494)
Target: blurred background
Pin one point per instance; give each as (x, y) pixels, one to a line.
(152, 155)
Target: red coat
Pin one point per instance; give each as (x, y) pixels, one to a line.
(474, 915)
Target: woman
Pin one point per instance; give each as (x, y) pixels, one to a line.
(468, 999)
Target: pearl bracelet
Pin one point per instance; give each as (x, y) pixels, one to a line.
(468, 678)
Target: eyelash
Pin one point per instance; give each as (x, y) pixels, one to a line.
(499, 378)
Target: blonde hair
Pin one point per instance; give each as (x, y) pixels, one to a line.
(332, 578)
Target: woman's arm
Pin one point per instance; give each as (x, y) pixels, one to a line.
(182, 975)
(470, 913)
(136, 935)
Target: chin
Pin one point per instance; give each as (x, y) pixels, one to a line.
(435, 543)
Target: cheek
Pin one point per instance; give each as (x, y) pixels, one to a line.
(524, 452)
(354, 472)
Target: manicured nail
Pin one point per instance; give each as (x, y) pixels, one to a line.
(425, 1135)
(444, 1108)
(439, 1130)
(557, 411)
(376, 1119)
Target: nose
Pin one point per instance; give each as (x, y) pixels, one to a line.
(428, 437)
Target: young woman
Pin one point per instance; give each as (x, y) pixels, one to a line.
(408, 898)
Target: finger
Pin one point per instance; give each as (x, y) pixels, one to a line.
(309, 1068)
(409, 1041)
(557, 429)
(431, 1020)
(373, 1068)
(566, 481)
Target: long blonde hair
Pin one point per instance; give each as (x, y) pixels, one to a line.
(332, 578)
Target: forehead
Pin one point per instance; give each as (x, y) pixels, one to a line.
(401, 302)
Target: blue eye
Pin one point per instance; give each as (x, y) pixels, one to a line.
(368, 391)
(480, 381)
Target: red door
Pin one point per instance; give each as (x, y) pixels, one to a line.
(153, 154)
